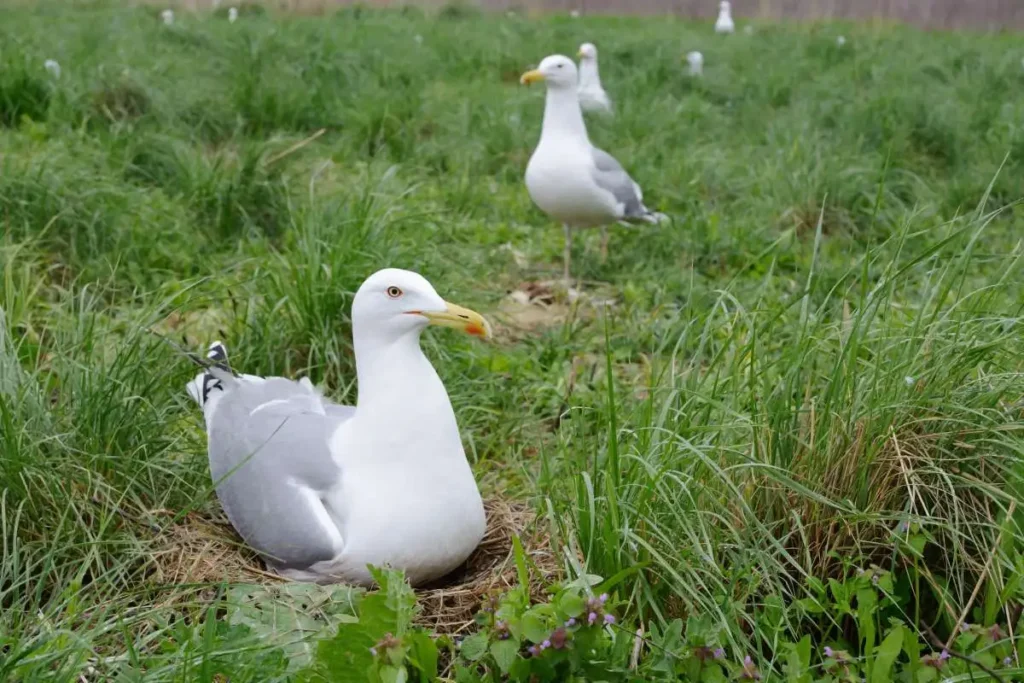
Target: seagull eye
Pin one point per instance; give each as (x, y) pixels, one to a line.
(394, 292)
(560, 66)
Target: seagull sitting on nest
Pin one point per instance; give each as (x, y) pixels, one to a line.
(592, 95)
(322, 490)
(568, 178)
(724, 23)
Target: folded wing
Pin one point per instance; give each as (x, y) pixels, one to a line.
(272, 466)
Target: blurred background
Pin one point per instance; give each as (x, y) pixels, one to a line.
(983, 14)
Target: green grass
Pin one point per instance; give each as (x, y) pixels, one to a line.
(828, 339)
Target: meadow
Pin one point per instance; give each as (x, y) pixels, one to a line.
(792, 419)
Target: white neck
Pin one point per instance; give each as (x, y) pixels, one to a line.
(562, 115)
(393, 374)
(588, 74)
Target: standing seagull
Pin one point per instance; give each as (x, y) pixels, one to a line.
(724, 23)
(568, 178)
(696, 61)
(592, 95)
(322, 490)
(167, 16)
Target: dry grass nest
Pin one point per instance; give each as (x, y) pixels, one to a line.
(202, 548)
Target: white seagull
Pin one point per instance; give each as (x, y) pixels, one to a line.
(52, 67)
(569, 179)
(724, 23)
(232, 15)
(592, 95)
(167, 16)
(696, 61)
(322, 490)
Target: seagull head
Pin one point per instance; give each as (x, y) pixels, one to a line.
(725, 7)
(587, 51)
(558, 71)
(394, 303)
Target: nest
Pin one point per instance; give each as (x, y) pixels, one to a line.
(204, 549)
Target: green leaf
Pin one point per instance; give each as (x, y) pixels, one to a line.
(474, 647)
(534, 628)
(292, 616)
(505, 653)
(885, 658)
(346, 657)
(423, 654)
(393, 674)
(572, 604)
(867, 601)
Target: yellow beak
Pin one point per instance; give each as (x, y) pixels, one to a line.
(580, 54)
(531, 77)
(460, 318)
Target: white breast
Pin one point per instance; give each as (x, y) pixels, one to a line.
(561, 184)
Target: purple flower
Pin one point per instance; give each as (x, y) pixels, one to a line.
(592, 617)
(965, 627)
(545, 645)
(571, 622)
(829, 652)
(559, 639)
(719, 653)
(750, 671)
(534, 650)
(1007, 661)
(874, 579)
(603, 598)
(609, 619)
(944, 656)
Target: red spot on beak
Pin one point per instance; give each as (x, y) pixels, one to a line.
(475, 330)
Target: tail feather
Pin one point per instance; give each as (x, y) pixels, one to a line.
(217, 373)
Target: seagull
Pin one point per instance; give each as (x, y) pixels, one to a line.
(840, 41)
(321, 490)
(569, 179)
(52, 67)
(724, 23)
(168, 16)
(592, 95)
(696, 61)
(232, 15)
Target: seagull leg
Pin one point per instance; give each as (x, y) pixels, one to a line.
(567, 254)
(604, 244)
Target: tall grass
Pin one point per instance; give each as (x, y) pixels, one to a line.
(825, 343)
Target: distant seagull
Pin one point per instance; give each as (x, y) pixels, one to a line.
(592, 95)
(840, 41)
(168, 16)
(52, 67)
(724, 23)
(575, 14)
(749, 29)
(232, 14)
(696, 61)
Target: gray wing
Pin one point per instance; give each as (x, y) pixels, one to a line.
(271, 462)
(609, 175)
